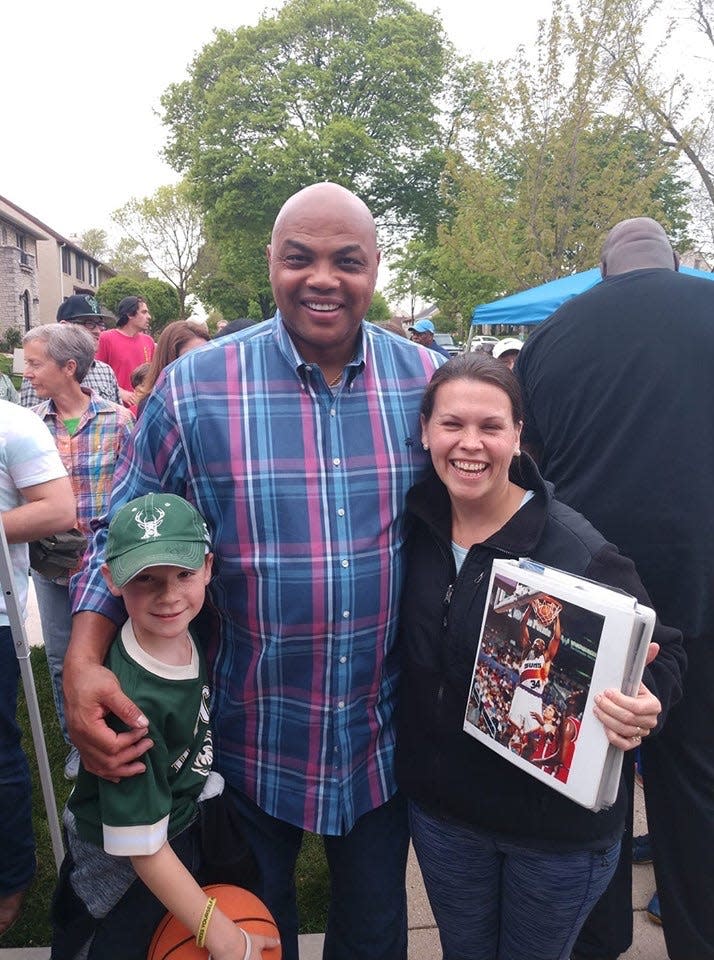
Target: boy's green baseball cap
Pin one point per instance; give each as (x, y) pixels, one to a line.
(158, 529)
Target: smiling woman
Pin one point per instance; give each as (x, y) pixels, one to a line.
(521, 850)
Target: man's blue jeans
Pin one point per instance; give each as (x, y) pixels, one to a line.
(494, 900)
(17, 846)
(367, 918)
(56, 618)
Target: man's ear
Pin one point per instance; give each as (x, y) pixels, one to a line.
(111, 586)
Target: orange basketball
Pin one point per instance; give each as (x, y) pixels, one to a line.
(173, 941)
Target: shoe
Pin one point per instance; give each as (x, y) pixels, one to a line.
(642, 849)
(10, 910)
(71, 765)
(653, 911)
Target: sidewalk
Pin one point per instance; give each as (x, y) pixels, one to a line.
(648, 943)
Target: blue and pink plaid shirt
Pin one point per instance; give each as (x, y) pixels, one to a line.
(303, 488)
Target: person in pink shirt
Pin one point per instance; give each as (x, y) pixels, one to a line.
(128, 345)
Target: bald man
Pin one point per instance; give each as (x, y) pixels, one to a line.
(297, 439)
(619, 391)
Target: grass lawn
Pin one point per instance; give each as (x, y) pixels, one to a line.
(32, 929)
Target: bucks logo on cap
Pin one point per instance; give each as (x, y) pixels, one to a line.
(159, 529)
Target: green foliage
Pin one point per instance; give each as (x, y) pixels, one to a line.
(160, 296)
(33, 927)
(163, 301)
(128, 260)
(536, 184)
(96, 242)
(11, 340)
(345, 90)
(113, 290)
(235, 282)
(379, 310)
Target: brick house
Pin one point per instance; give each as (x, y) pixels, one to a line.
(38, 269)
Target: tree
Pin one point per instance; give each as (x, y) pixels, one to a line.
(550, 168)
(163, 302)
(167, 228)
(113, 290)
(128, 260)
(676, 108)
(379, 310)
(95, 242)
(346, 90)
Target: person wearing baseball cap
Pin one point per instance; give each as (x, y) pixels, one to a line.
(507, 351)
(423, 333)
(85, 311)
(158, 529)
(158, 560)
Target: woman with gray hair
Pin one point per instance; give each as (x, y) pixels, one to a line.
(89, 432)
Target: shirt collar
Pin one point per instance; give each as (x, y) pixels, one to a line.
(49, 408)
(302, 367)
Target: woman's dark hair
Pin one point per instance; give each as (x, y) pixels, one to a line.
(482, 369)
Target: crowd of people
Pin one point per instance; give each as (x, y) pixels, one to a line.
(274, 617)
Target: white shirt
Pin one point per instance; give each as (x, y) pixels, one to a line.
(28, 456)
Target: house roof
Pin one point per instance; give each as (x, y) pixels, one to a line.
(44, 228)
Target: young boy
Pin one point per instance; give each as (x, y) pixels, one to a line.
(144, 828)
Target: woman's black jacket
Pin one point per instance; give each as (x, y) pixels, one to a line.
(444, 769)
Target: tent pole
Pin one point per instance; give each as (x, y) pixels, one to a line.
(22, 651)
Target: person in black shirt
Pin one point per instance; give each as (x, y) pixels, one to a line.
(619, 395)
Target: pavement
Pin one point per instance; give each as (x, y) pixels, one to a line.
(648, 942)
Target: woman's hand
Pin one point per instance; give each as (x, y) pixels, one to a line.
(627, 720)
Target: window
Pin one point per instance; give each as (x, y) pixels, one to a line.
(66, 261)
(80, 267)
(25, 300)
(91, 273)
(20, 237)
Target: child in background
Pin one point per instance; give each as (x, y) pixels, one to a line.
(143, 827)
(138, 376)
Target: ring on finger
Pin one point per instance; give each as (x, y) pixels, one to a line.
(637, 739)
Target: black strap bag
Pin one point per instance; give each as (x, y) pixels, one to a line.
(58, 555)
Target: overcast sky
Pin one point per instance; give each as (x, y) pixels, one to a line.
(83, 81)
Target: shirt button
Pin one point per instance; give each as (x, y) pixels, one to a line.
(340, 704)
(343, 659)
(333, 412)
(345, 614)
(341, 512)
(337, 461)
(345, 563)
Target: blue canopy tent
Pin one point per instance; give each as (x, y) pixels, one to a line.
(534, 305)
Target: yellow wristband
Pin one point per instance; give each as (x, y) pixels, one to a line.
(205, 920)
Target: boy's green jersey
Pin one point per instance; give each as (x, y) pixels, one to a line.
(137, 815)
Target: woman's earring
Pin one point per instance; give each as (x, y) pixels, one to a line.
(516, 452)
(425, 446)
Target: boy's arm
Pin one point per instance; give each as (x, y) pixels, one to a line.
(170, 881)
